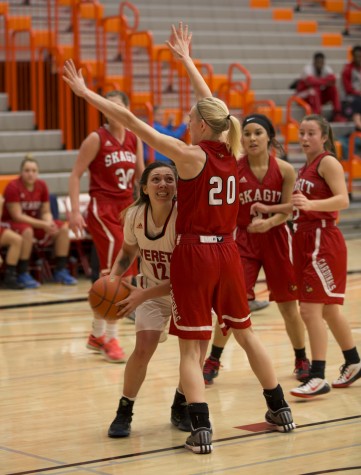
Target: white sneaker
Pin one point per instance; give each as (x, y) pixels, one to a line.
(312, 387)
(349, 373)
(255, 305)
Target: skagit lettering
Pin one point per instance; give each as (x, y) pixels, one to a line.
(304, 185)
(266, 196)
(119, 156)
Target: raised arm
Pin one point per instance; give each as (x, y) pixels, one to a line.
(180, 49)
(189, 159)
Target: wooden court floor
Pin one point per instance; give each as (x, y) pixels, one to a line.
(57, 398)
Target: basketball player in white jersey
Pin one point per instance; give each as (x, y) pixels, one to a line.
(149, 231)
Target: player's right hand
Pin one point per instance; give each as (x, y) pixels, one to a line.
(77, 223)
(259, 208)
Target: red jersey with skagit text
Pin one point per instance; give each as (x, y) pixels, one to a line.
(113, 169)
(208, 203)
(314, 187)
(30, 201)
(251, 190)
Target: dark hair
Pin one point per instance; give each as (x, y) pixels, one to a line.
(355, 49)
(264, 122)
(120, 94)
(28, 158)
(326, 130)
(318, 55)
(144, 198)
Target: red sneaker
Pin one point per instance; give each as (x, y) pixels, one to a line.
(113, 352)
(95, 343)
(210, 370)
(302, 369)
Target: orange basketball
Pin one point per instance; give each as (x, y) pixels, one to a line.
(104, 293)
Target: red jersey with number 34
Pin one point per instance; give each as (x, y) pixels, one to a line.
(113, 169)
(208, 204)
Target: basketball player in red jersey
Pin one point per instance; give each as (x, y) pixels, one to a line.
(113, 156)
(13, 242)
(27, 209)
(320, 255)
(207, 213)
(265, 179)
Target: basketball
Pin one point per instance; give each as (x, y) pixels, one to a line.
(104, 293)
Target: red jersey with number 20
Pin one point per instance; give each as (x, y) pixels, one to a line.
(112, 171)
(208, 204)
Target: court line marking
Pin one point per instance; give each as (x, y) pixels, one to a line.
(39, 304)
(168, 449)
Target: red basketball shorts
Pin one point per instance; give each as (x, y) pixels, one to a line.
(205, 276)
(320, 261)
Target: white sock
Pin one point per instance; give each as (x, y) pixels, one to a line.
(98, 327)
(130, 398)
(111, 331)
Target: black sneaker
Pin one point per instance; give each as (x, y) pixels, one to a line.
(120, 427)
(281, 419)
(11, 282)
(200, 441)
(180, 417)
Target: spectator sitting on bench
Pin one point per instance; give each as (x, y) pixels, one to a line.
(317, 86)
(351, 85)
(27, 210)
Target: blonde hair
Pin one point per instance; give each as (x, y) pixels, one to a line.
(216, 115)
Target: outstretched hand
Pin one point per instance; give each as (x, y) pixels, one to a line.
(181, 40)
(74, 78)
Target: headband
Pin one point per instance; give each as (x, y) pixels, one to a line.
(261, 120)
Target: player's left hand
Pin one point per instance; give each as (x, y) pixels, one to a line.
(74, 78)
(129, 304)
(300, 201)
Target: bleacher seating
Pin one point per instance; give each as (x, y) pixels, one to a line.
(269, 38)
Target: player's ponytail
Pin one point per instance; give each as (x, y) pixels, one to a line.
(216, 115)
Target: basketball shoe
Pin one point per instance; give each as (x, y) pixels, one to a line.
(95, 343)
(312, 387)
(63, 276)
(10, 281)
(180, 416)
(210, 370)
(302, 369)
(349, 373)
(200, 441)
(113, 352)
(281, 419)
(255, 305)
(28, 281)
(121, 427)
